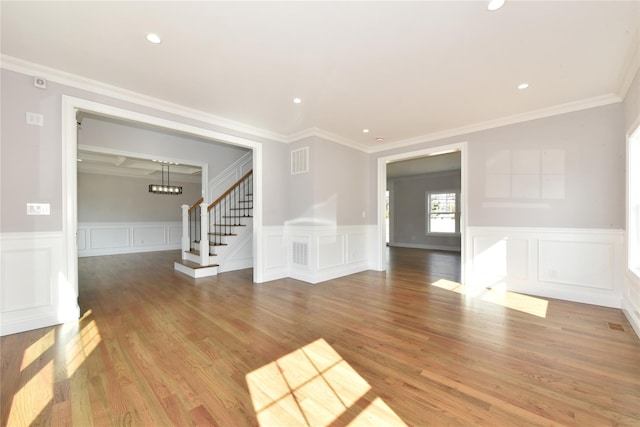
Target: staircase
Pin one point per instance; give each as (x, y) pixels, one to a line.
(213, 233)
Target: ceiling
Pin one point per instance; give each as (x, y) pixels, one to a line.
(113, 164)
(423, 165)
(407, 71)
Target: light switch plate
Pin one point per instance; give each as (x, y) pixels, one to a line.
(35, 119)
(38, 209)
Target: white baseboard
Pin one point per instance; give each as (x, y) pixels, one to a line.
(430, 247)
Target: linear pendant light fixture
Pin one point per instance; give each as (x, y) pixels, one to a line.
(165, 189)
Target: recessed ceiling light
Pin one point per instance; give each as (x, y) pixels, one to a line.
(523, 86)
(154, 38)
(495, 4)
(379, 139)
(297, 100)
(365, 130)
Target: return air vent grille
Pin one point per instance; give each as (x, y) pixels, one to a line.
(301, 253)
(300, 161)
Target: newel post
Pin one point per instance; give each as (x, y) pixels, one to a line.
(204, 234)
(185, 231)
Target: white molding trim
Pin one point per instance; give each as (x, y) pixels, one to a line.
(378, 257)
(631, 65)
(115, 238)
(426, 246)
(29, 68)
(34, 284)
(581, 265)
(556, 110)
(631, 300)
(330, 251)
(73, 80)
(319, 133)
(71, 105)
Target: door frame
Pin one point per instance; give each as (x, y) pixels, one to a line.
(382, 186)
(72, 105)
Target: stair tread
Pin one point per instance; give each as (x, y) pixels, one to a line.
(197, 252)
(229, 225)
(222, 234)
(195, 265)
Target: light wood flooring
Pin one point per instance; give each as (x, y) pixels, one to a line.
(406, 347)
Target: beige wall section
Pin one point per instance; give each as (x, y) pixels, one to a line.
(107, 198)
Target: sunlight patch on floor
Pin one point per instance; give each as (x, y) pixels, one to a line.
(32, 398)
(82, 345)
(500, 296)
(37, 349)
(314, 386)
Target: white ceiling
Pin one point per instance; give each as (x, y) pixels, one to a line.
(408, 71)
(113, 164)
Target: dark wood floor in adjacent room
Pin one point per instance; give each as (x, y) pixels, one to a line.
(410, 346)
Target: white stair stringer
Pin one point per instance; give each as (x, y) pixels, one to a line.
(238, 253)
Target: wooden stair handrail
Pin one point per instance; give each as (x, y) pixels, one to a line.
(196, 204)
(233, 187)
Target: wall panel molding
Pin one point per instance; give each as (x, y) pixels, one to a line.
(315, 254)
(96, 239)
(34, 287)
(582, 265)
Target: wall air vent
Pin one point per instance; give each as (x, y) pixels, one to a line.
(300, 253)
(300, 161)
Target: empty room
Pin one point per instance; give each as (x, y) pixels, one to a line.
(320, 213)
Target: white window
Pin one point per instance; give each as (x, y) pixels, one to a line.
(443, 215)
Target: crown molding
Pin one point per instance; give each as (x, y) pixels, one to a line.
(569, 107)
(316, 132)
(62, 77)
(631, 66)
(94, 86)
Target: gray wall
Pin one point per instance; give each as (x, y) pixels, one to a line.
(592, 140)
(108, 198)
(593, 146)
(335, 191)
(32, 155)
(409, 206)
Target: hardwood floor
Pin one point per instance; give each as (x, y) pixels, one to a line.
(410, 346)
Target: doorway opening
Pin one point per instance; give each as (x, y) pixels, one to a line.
(386, 228)
(71, 106)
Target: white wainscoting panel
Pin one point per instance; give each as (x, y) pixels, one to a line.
(34, 290)
(109, 237)
(275, 254)
(149, 236)
(582, 265)
(331, 250)
(315, 254)
(588, 264)
(96, 239)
